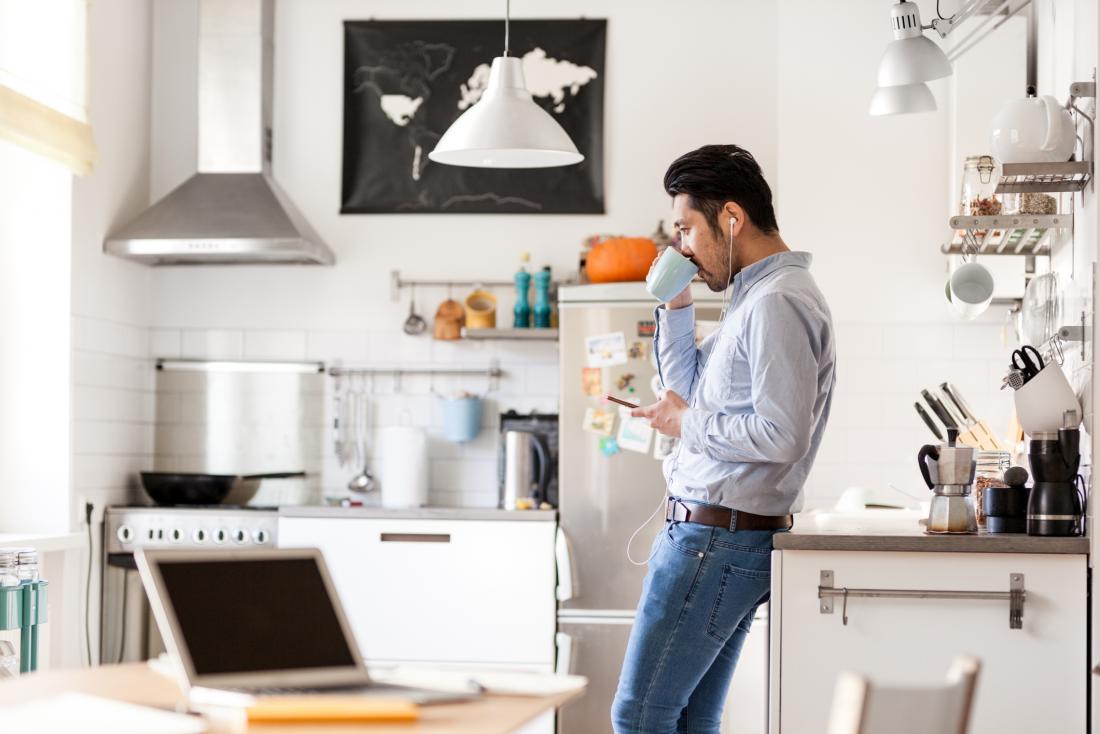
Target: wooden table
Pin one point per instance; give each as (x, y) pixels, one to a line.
(137, 683)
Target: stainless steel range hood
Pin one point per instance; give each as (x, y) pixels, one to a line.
(231, 210)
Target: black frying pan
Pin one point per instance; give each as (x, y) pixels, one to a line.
(175, 488)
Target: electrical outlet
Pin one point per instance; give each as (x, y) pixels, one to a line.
(80, 507)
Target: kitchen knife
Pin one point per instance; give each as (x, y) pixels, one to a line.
(928, 421)
(966, 437)
(980, 428)
(939, 410)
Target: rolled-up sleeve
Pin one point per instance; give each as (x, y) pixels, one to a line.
(674, 345)
(783, 346)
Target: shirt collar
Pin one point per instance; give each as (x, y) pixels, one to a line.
(753, 273)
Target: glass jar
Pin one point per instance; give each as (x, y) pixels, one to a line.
(8, 564)
(27, 568)
(979, 181)
(989, 472)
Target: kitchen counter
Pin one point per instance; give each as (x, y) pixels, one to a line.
(421, 513)
(848, 532)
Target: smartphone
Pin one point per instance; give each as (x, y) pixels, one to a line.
(614, 399)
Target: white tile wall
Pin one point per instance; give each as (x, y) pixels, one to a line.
(112, 429)
(460, 474)
(874, 432)
(872, 438)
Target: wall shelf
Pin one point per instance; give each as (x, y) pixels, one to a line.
(512, 334)
(1017, 234)
(1045, 178)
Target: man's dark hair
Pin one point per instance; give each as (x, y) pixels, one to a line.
(715, 174)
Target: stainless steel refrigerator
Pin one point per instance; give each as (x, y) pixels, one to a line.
(604, 494)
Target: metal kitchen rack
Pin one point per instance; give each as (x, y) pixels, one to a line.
(1017, 234)
(533, 334)
(1044, 178)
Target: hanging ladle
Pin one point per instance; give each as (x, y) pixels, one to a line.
(414, 324)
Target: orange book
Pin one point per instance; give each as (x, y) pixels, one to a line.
(331, 708)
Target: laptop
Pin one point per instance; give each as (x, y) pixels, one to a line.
(250, 623)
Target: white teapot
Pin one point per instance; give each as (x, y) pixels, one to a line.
(1033, 130)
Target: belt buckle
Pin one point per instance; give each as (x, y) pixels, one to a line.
(677, 502)
(733, 520)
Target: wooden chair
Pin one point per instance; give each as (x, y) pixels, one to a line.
(862, 708)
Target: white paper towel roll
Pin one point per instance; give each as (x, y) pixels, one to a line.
(403, 469)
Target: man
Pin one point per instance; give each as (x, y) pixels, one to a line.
(749, 406)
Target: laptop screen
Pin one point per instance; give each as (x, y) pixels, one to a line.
(251, 616)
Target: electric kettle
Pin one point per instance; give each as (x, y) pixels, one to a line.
(526, 470)
(949, 476)
(1033, 129)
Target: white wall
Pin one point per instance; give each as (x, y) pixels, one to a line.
(112, 405)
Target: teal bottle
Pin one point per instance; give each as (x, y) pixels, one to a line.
(522, 311)
(542, 299)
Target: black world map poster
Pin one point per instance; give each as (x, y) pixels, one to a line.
(405, 82)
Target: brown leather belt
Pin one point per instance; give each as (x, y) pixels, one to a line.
(723, 517)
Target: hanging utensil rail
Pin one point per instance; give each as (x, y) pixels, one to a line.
(493, 370)
(397, 283)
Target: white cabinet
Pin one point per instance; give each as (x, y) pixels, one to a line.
(1032, 679)
(458, 591)
(746, 710)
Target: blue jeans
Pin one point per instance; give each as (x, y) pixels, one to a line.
(698, 601)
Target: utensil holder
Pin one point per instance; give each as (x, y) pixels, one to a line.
(23, 607)
(1044, 400)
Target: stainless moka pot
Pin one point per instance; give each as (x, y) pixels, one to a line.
(949, 475)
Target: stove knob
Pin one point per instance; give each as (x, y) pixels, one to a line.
(220, 536)
(240, 536)
(260, 536)
(124, 534)
(177, 535)
(199, 535)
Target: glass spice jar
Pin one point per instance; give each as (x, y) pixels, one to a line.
(979, 182)
(989, 472)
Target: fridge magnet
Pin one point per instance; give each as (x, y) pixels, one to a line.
(638, 350)
(609, 446)
(624, 380)
(634, 435)
(597, 420)
(663, 446)
(605, 350)
(592, 380)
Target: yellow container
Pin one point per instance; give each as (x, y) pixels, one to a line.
(481, 310)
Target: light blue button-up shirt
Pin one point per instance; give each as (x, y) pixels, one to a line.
(759, 389)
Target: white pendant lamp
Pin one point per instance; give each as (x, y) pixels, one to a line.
(506, 128)
(902, 100)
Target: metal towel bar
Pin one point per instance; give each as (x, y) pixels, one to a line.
(1015, 596)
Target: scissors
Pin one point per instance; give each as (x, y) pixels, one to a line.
(1026, 364)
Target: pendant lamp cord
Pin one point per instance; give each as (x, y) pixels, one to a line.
(507, 21)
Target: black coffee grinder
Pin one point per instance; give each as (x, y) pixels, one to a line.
(1056, 504)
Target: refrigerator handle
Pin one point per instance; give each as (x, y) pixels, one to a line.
(567, 587)
(564, 665)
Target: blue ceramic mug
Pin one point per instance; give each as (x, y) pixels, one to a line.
(670, 275)
(461, 418)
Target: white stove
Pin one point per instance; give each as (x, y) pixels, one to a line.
(206, 527)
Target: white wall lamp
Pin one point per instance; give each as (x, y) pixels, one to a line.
(506, 128)
(912, 59)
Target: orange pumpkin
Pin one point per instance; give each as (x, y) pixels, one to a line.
(620, 258)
